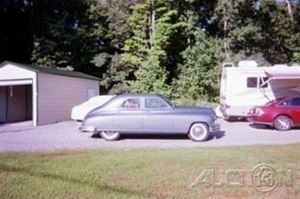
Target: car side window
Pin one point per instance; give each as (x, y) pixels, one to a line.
(154, 102)
(295, 101)
(284, 103)
(131, 103)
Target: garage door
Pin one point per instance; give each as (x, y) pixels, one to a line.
(16, 103)
(2, 104)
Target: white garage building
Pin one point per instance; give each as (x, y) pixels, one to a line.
(43, 95)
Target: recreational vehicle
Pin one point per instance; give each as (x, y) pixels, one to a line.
(248, 85)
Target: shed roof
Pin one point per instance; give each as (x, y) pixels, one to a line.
(54, 71)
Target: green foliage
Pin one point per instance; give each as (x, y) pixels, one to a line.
(108, 59)
(159, 34)
(150, 78)
(252, 27)
(199, 75)
(112, 78)
(281, 38)
(70, 34)
(238, 27)
(150, 45)
(296, 55)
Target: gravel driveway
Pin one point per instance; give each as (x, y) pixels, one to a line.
(23, 137)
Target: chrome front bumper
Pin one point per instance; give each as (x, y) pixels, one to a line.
(215, 127)
(87, 129)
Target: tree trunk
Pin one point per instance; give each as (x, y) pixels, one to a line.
(225, 29)
(152, 24)
(290, 10)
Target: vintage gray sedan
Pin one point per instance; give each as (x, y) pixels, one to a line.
(149, 113)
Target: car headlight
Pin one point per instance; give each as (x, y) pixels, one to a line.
(259, 111)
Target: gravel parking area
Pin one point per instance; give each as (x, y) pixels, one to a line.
(64, 135)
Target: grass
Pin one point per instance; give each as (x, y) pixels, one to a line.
(158, 173)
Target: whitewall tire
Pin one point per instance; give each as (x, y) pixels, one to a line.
(198, 132)
(110, 135)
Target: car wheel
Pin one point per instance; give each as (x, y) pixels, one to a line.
(282, 123)
(198, 132)
(110, 135)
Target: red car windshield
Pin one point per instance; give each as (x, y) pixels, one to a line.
(273, 101)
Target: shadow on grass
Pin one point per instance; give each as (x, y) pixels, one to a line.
(105, 187)
(155, 136)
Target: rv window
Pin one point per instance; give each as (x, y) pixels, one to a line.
(252, 82)
(295, 101)
(261, 81)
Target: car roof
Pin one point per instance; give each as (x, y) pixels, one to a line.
(139, 95)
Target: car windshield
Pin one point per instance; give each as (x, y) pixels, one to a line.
(273, 101)
(168, 102)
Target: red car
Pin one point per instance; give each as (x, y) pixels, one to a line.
(283, 114)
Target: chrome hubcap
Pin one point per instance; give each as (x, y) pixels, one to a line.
(198, 132)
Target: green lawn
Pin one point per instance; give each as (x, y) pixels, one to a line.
(158, 173)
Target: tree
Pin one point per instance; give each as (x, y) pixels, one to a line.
(69, 34)
(16, 35)
(199, 75)
(237, 23)
(281, 37)
(253, 28)
(112, 79)
(150, 78)
(158, 37)
(107, 60)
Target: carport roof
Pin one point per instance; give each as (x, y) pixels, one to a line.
(55, 71)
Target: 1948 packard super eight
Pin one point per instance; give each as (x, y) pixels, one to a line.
(149, 113)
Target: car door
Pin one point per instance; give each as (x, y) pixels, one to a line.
(158, 117)
(129, 117)
(295, 103)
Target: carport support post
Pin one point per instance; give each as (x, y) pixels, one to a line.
(35, 100)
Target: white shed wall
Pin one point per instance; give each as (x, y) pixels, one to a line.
(58, 94)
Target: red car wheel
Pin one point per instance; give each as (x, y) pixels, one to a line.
(282, 123)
